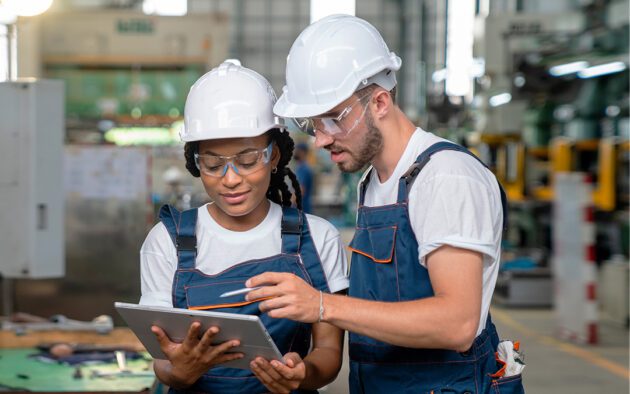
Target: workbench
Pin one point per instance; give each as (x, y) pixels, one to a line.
(19, 372)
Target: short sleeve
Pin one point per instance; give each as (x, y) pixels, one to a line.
(335, 262)
(456, 210)
(158, 262)
(332, 253)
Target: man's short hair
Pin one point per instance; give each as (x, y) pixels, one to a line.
(367, 91)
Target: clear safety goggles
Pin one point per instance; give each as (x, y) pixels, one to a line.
(336, 126)
(243, 163)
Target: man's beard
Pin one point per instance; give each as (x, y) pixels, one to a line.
(368, 148)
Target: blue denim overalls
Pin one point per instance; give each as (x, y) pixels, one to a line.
(193, 289)
(385, 267)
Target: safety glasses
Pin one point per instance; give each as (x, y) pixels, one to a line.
(243, 163)
(337, 126)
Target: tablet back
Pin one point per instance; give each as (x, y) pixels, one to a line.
(255, 340)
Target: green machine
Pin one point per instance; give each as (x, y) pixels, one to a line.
(118, 92)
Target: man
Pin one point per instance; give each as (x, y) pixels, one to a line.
(304, 175)
(427, 246)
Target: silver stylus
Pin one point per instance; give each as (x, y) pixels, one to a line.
(239, 291)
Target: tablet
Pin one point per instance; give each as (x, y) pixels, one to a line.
(255, 340)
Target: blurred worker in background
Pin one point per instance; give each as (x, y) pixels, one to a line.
(175, 193)
(427, 244)
(241, 152)
(304, 175)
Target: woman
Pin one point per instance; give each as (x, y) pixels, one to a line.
(241, 152)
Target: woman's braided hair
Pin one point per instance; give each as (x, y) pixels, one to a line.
(278, 190)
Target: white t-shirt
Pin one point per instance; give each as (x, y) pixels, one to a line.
(454, 201)
(219, 249)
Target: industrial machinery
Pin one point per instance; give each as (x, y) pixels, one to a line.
(125, 67)
(506, 43)
(525, 278)
(554, 99)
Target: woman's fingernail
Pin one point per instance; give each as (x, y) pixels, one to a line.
(247, 283)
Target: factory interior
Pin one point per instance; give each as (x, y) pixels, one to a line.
(92, 96)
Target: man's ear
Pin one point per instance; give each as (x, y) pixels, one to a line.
(381, 103)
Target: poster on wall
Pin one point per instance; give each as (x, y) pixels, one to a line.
(106, 172)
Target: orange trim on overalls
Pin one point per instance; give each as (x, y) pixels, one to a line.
(232, 305)
(371, 257)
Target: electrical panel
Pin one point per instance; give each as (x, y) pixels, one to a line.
(31, 179)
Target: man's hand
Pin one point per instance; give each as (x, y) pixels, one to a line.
(278, 377)
(292, 297)
(193, 357)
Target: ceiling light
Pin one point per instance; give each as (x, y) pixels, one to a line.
(27, 7)
(569, 68)
(602, 69)
(500, 99)
(165, 7)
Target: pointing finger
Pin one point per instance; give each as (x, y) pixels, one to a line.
(263, 292)
(267, 278)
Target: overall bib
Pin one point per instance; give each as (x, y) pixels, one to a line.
(385, 267)
(193, 289)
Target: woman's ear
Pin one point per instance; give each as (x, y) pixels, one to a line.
(275, 155)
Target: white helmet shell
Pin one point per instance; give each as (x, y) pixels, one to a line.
(329, 61)
(229, 101)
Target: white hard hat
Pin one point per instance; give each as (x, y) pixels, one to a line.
(229, 101)
(329, 61)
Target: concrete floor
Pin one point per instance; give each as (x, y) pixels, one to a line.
(553, 366)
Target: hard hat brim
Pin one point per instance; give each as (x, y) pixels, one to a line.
(230, 133)
(284, 108)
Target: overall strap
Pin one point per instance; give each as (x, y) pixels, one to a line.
(181, 227)
(296, 239)
(364, 184)
(405, 182)
(292, 226)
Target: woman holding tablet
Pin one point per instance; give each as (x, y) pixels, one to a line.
(190, 259)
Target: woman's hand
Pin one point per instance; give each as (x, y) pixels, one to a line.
(277, 377)
(193, 357)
